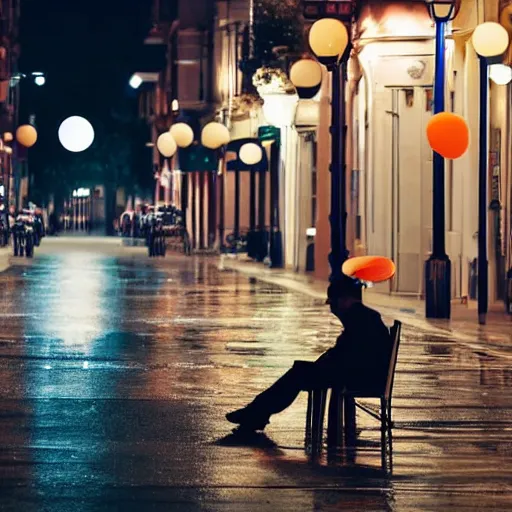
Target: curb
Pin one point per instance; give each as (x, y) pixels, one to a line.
(5, 258)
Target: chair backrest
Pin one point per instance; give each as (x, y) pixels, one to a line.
(395, 332)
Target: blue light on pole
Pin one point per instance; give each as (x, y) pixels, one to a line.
(438, 266)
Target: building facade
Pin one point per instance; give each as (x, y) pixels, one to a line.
(9, 94)
(394, 44)
(389, 95)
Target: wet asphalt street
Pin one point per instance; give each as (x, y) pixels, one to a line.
(116, 372)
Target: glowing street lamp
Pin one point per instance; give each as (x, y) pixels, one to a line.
(182, 134)
(490, 41)
(500, 74)
(137, 79)
(26, 135)
(39, 78)
(438, 265)
(166, 145)
(329, 41)
(251, 154)
(306, 76)
(215, 135)
(76, 134)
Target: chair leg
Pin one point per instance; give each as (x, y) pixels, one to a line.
(335, 419)
(350, 420)
(383, 414)
(309, 418)
(319, 396)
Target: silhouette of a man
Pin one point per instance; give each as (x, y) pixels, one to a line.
(359, 360)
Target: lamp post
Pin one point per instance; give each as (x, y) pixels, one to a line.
(438, 266)
(329, 41)
(251, 154)
(490, 41)
(216, 136)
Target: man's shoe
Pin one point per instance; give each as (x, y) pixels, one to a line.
(247, 419)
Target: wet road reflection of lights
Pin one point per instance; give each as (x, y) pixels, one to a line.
(69, 304)
(72, 304)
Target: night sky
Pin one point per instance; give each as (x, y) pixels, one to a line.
(88, 51)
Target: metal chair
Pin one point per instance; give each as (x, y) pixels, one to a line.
(343, 403)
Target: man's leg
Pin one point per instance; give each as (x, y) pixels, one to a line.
(279, 396)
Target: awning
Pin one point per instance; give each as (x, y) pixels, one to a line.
(198, 158)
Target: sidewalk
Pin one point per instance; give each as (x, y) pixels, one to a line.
(497, 334)
(5, 256)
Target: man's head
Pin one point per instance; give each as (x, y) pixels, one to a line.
(342, 294)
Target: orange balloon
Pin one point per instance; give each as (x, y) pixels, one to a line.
(374, 269)
(448, 135)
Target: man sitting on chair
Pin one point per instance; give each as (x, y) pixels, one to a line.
(359, 360)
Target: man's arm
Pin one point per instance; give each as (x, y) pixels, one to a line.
(334, 354)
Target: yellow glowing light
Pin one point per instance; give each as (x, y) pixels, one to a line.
(182, 134)
(215, 135)
(328, 38)
(26, 135)
(166, 145)
(306, 73)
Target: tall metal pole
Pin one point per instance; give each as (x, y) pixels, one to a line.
(221, 185)
(338, 215)
(438, 266)
(483, 277)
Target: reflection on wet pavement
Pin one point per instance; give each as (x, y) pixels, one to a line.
(117, 371)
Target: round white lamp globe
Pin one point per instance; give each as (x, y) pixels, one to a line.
(76, 134)
(183, 134)
(166, 145)
(251, 154)
(500, 74)
(490, 39)
(214, 135)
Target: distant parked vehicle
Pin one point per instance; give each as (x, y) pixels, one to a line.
(164, 224)
(23, 234)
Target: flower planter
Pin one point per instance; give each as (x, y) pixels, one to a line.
(279, 109)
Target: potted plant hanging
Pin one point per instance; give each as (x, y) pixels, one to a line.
(278, 94)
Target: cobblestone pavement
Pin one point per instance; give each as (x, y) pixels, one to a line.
(117, 371)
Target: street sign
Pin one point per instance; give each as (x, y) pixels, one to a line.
(340, 9)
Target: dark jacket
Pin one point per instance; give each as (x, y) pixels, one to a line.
(362, 352)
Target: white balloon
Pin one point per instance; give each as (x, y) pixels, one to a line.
(251, 154)
(76, 134)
